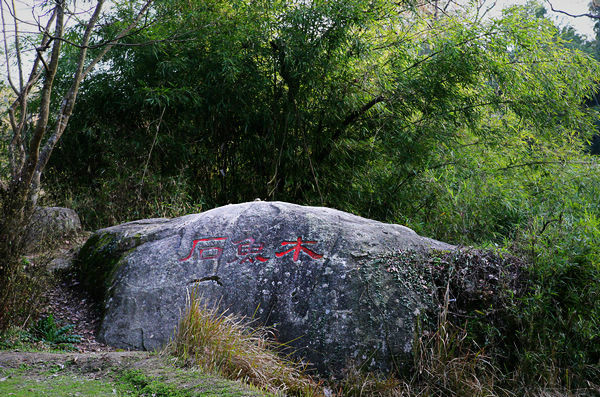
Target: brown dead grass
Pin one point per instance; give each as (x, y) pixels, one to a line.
(224, 343)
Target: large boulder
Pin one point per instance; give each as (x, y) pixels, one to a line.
(312, 273)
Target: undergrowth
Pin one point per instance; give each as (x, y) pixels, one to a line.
(45, 335)
(48, 331)
(449, 363)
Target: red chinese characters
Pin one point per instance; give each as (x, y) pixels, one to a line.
(248, 250)
(214, 251)
(297, 248)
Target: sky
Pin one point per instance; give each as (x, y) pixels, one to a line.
(583, 25)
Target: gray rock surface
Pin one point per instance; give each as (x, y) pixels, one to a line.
(307, 271)
(49, 225)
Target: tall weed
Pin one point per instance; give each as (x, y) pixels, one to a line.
(226, 344)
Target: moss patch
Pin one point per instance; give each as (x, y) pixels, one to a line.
(96, 264)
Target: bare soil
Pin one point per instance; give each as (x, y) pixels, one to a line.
(66, 301)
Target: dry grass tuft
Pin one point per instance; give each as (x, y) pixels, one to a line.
(224, 343)
(446, 365)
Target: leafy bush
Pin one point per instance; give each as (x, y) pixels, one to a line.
(47, 330)
(21, 285)
(547, 214)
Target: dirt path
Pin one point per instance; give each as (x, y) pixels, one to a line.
(86, 362)
(64, 299)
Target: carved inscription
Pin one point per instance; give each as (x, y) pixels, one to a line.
(214, 250)
(297, 248)
(248, 249)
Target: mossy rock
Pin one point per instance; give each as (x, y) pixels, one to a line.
(313, 274)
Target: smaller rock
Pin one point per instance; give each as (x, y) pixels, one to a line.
(49, 225)
(60, 263)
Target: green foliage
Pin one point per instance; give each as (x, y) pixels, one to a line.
(336, 103)
(143, 385)
(21, 286)
(19, 383)
(14, 338)
(60, 375)
(47, 330)
(546, 211)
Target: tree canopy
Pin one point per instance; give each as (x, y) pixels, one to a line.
(325, 102)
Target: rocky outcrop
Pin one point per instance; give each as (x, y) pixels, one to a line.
(312, 273)
(50, 225)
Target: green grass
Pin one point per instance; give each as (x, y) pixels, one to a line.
(181, 384)
(20, 383)
(150, 375)
(23, 382)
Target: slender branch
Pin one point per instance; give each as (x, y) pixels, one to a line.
(44, 112)
(150, 151)
(13, 14)
(325, 150)
(589, 15)
(44, 45)
(69, 99)
(481, 16)
(114, 41)
(357, 113)
(433, 54)
(544, 162)
(4, 30)
(82, 71)
(16, 148)
(312, 168)
(41, 58)
(18, 50)
(13, 153)
(123, 33)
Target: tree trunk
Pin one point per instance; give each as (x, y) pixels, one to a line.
(28, 157)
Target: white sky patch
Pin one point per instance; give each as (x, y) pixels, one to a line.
(583, 25)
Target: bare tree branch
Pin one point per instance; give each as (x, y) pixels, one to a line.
(82, 72)
(114, 41)
(4, 31)
(16, 147)
(68, 101)
(46, 92)
(18, 50)
(589, 15)
(28, 164)
(122, 34)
